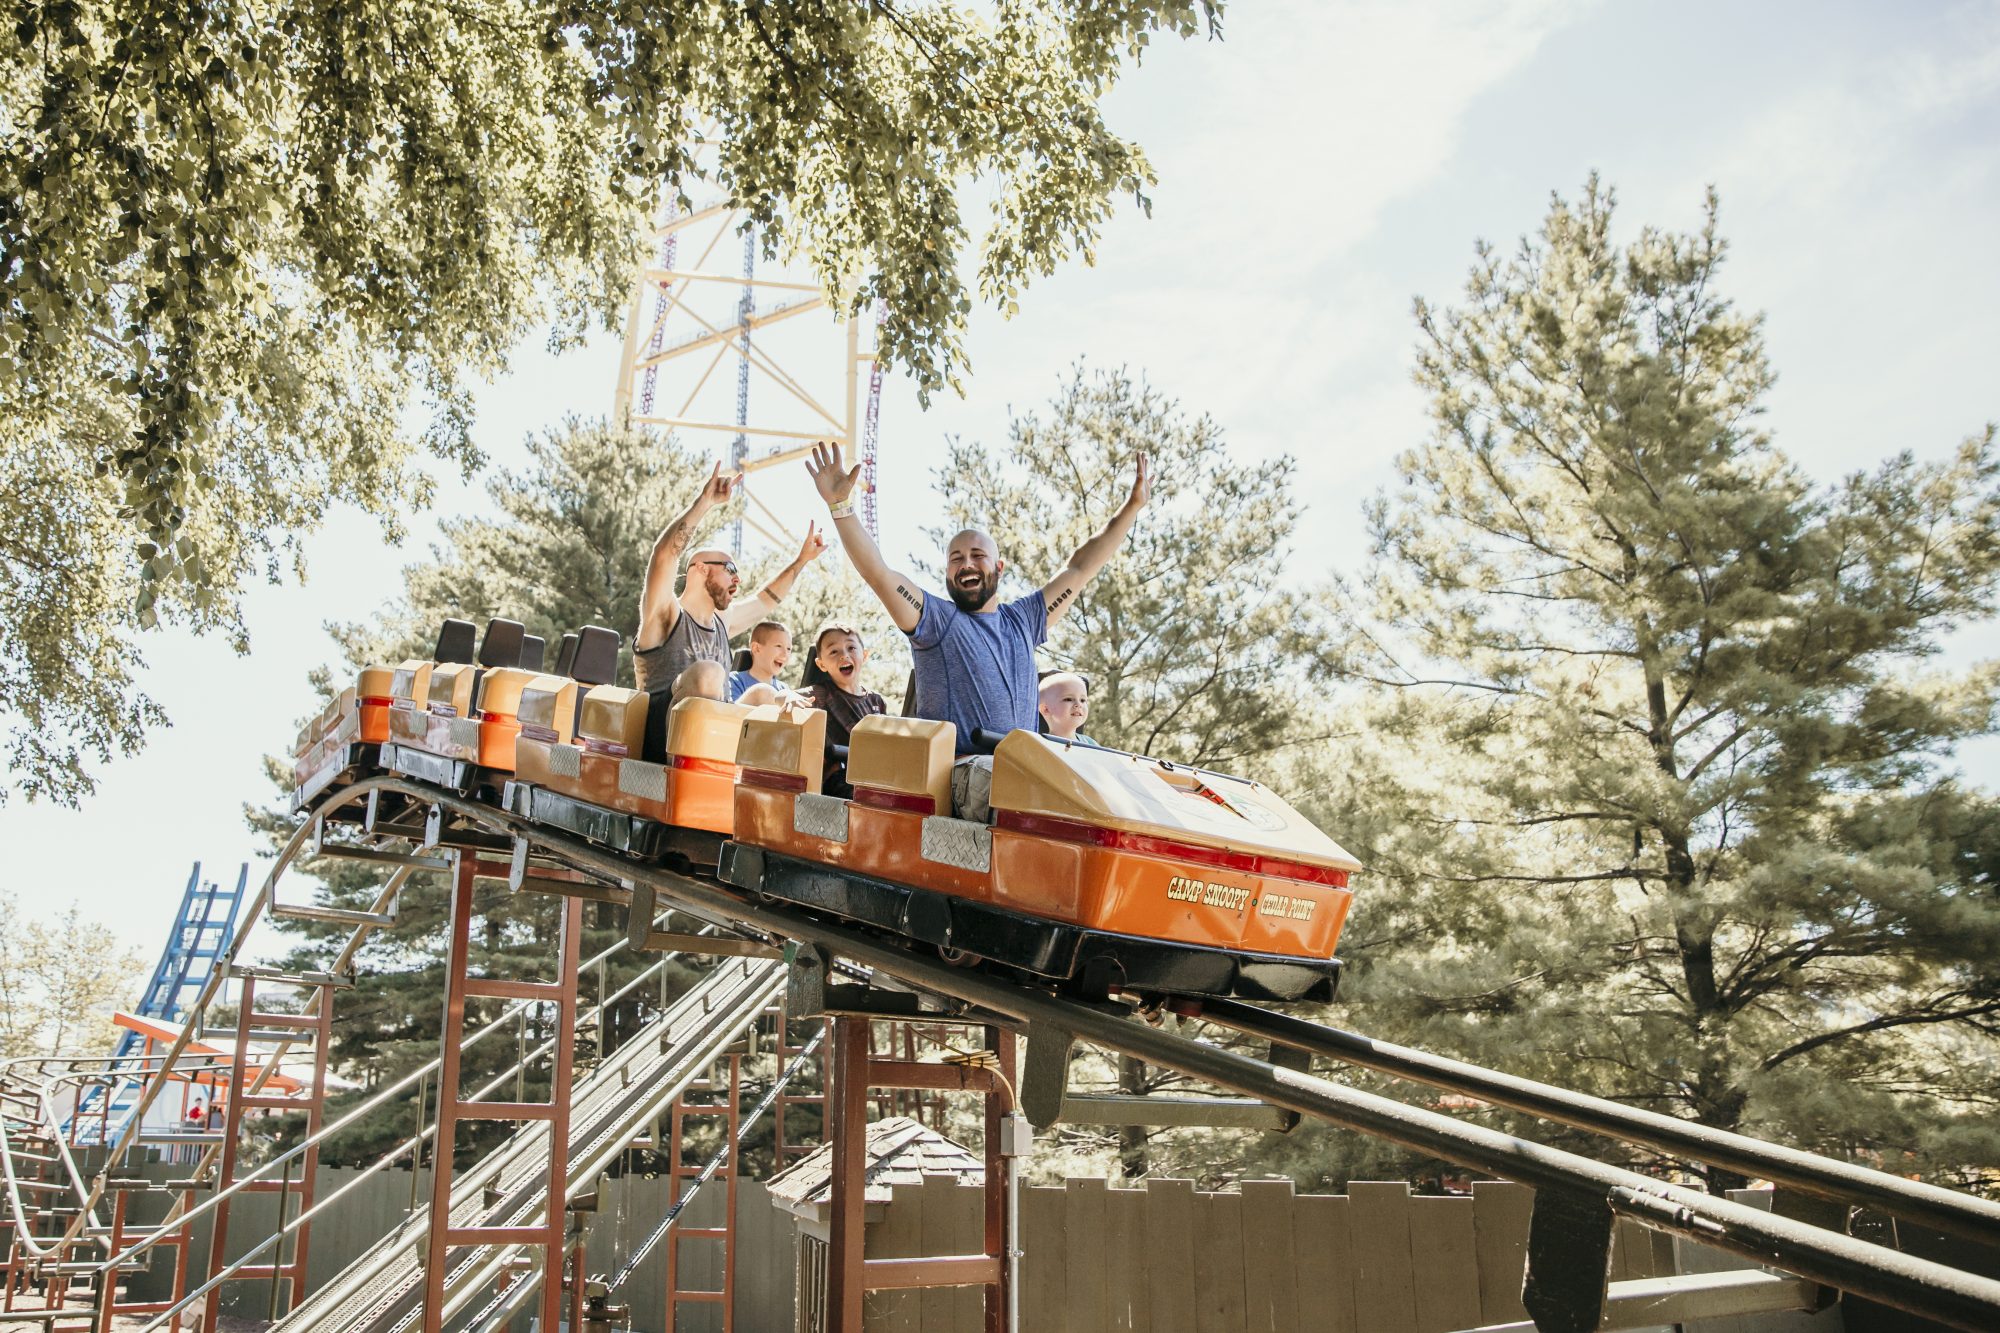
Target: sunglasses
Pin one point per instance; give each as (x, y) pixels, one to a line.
(728, 566)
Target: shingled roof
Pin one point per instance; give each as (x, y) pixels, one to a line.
(899, 1152)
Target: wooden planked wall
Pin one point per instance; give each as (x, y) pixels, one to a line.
(1170, 1259)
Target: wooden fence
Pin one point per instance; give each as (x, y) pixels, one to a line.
(1163, 1259)
(1170, 1259)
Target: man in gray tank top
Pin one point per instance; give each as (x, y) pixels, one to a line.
(695, 623)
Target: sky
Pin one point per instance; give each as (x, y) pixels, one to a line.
(1320, 167)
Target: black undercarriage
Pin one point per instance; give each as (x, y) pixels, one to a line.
(1091, 962)
(634, 835)
(1097, 962)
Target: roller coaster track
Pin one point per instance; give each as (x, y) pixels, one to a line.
(1577, 1202)
(380, 1291)
(1578, 1198)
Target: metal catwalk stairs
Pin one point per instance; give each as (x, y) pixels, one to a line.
(381, 1292)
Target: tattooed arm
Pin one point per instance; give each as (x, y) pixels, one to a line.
(659, 607)
(1062, 591)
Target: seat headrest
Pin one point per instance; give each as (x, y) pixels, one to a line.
(565, 655)
(596, 661)
(455, 639)
(533, 649)
(502, 645)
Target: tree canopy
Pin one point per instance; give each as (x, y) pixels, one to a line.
(1194, 649)
(239, 242)
(566, 542)
(60, 979)
(1655, 786)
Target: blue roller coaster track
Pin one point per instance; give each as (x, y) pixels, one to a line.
(195, 947)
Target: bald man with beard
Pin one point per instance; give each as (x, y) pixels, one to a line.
(678, 628)
(974, 656)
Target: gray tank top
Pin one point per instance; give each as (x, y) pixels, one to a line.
(658, 667)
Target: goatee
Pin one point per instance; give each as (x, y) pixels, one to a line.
(974, 597)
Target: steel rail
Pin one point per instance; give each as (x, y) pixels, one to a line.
(41, 1247)
(218, 975)
(426, 1134)
(714, 1164)
(489, 1317)
(1960, 1299)
(1963, 1215)
(374, 1102)
(754, 993)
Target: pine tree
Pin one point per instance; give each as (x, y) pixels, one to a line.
(1654, 783)
(1193, 647)
(566, 544)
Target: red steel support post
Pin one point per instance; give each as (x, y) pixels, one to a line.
(452, 1107)
(1000, 1295)
(318, 1028)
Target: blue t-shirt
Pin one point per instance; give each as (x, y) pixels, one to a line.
(739, 681)
(977, 670)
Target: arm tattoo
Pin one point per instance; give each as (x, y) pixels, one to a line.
(1061, 597)
(903, 592)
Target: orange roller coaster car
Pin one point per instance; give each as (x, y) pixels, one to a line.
(1100, 871)
(1107, 870)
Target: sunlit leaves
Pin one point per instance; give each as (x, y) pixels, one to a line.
(240, 242)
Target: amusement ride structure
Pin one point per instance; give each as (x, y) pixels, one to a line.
(762, 912)
(697, 314)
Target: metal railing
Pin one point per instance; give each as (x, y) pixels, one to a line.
(417, 1077)
(1962, 1300)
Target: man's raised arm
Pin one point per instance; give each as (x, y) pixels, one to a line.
(658, 607)
(1061, 593)
(742, 615)
(898, 591)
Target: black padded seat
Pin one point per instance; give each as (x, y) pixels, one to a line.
(533, 649)
(596, 661)
(502, 645)
(455, 640)
(566, 655)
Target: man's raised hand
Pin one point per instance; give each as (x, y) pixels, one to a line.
(834, 485)
(718, 488)
(813, 547)
(1142, 485)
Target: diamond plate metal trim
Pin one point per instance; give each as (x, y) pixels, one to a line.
(566, 761)
(646, 781)
(820, 817)
(958, 842)
(462, 734)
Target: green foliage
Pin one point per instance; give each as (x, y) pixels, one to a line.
(1193, 648)
(59, 981)
(234, 239)
(1653, 779)
(566, 544)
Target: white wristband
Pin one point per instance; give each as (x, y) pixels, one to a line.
(845, 509)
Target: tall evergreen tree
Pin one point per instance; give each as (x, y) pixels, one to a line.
(1192, 645)
(1655, 785)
